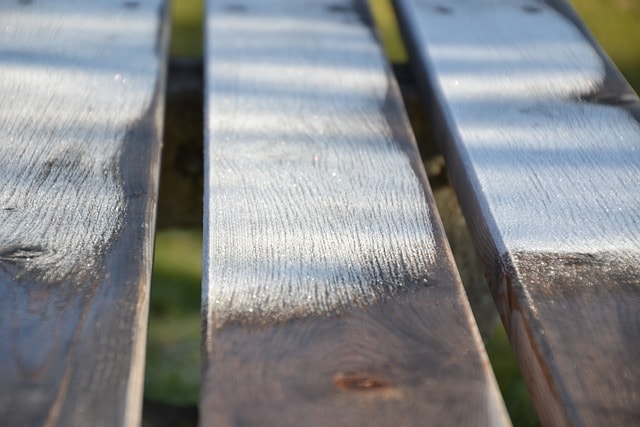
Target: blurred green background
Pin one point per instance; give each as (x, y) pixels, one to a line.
(173, 360)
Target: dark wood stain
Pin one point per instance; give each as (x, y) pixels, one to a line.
(529, 8)
(586, 318)
(339, 8)
(400, 362)
(131, 4)
(615, 90)
(444, 10)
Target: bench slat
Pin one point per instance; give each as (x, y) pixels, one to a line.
(542, 139)
(81, 97)
(330, 296)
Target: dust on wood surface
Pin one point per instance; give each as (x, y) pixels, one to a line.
(330, 296)
(542, 139)
(80, 113)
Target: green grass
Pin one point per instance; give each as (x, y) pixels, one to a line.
(186, 28)
(514, 391)
(385, 19)
(616, 25)
(172, 373)
(173, 351)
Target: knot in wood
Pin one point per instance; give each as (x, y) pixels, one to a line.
(360, 382)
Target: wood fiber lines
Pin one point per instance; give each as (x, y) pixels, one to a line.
(330, 295)
(80, 112)
(316, 207)
(542, 139)
(557, 173)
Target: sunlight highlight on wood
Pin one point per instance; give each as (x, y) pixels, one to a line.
(330, 295)
(315, 203)
(513, 81)
(542, 140)
(80, 112)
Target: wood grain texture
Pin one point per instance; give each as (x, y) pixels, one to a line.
(81, 96)
(542, 139)
(329, 294)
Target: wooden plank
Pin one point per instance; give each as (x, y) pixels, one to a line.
(542, 138)
(330, 296)
(81, 97)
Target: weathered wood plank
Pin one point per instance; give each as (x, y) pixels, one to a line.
(81, 97)
(542, 140)
(330, 296)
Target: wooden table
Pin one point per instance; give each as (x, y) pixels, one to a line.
(330, 295)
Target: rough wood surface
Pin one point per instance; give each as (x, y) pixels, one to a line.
(80, 115)
(330, 297)
(543, 143)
